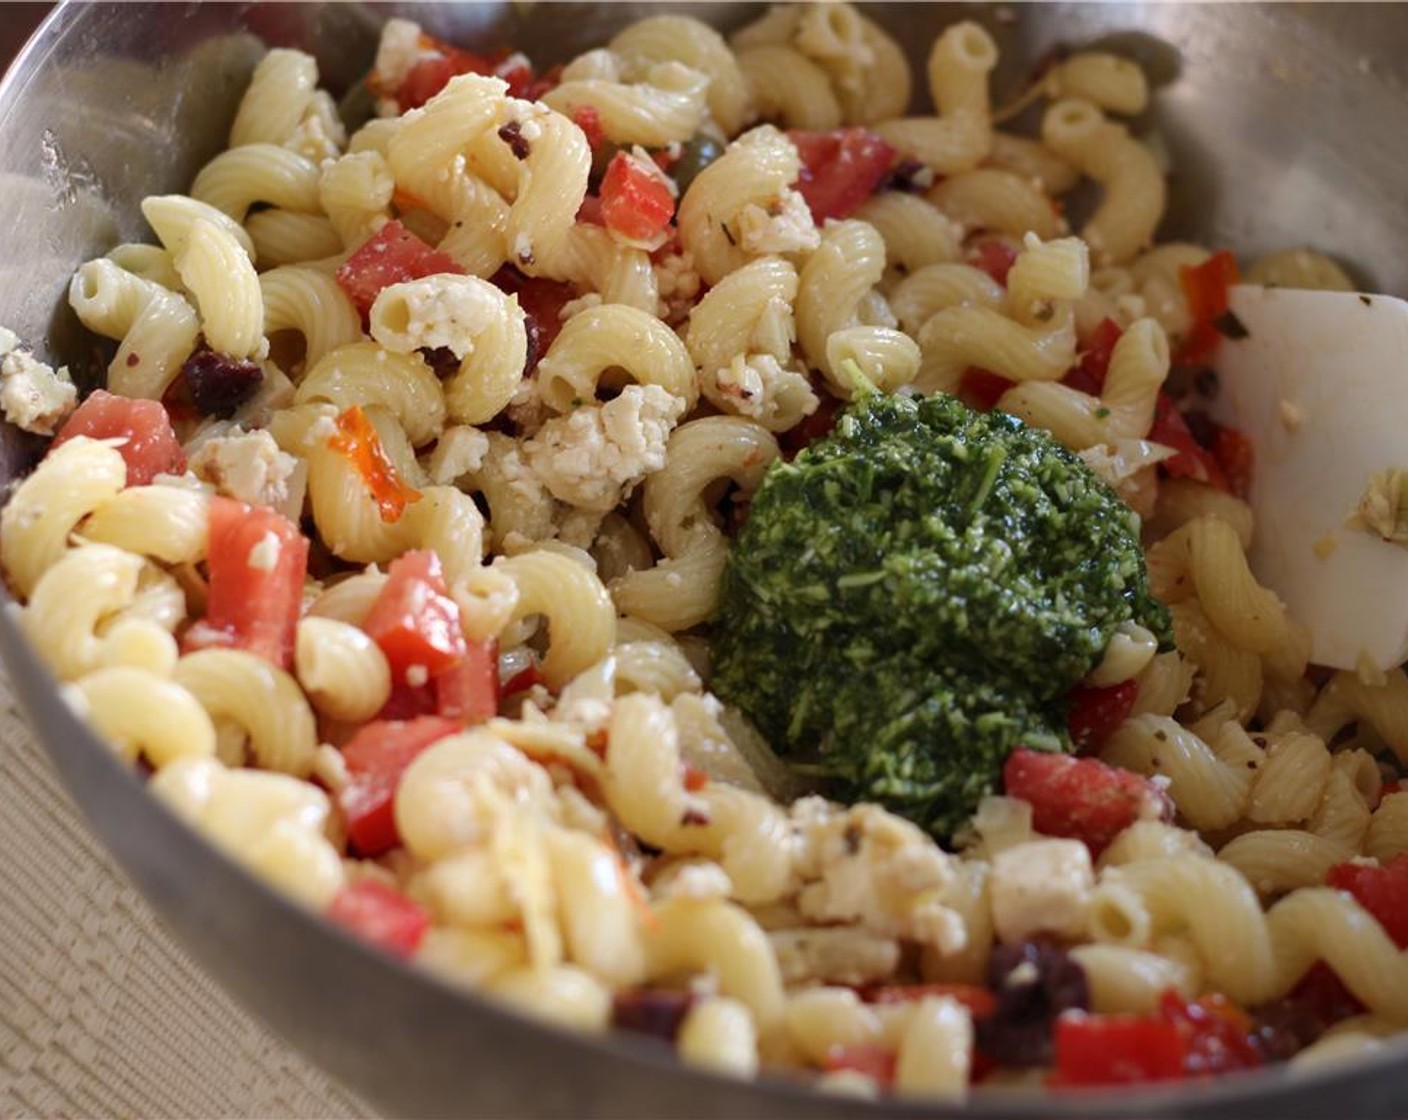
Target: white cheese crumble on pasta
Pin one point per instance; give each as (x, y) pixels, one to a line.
(34, 396)
(249, 467)
(595, 454)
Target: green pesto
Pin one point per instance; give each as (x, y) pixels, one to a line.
(916, 595)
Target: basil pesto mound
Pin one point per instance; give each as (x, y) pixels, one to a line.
(915, 595)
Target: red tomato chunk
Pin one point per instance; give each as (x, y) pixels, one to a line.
(151, 447)
(380, 914)
(840, 169)
(875, 1061)
(995, 257)
(414, 620)
(392, 255)
(376, 757)
(635, 202)
(1081, 798)
(257, 563)
(1383, 891)
(1116, 1050)
(1205, 287)
(1094, 714)
(469, 691)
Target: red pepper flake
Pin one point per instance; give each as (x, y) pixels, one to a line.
(357, 439)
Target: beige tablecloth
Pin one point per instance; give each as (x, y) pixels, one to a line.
(101, 1015)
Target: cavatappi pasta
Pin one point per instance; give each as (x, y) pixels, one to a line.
(478, 373)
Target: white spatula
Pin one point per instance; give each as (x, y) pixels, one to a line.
(1320, 384)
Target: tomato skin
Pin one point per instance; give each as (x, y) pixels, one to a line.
(995, 257)
(151, 448)
(875, 1061)
(392, 255)
(1095, 357)
(981, 389)
(414, 620)
(1192, 459)
(588, 119)
(376, 757)
(257, 562)
(840, 169)
(1205, 287)
(381, 915)
(469, 691)
(1382, 891)
(1217, 1033)
(1116, 1050)
(635, 202)
(1081, 798)
(1094, 714)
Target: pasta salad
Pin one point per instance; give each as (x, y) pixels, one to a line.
(676, 544)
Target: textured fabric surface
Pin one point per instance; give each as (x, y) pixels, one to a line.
(101, 1015)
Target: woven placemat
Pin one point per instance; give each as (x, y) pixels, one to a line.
(101, 1014)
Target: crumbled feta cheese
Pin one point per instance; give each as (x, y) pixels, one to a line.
(692, 878)
(249, 467)
(34, 396)
(595, 455)
(1041, 887)
(441, 311)
(459, 451)
(757, 386)
(417, 675)
(866, 866)
(400, 49)
(785, 228)
(264, 556)
(834, 956)
(677, 284)
(581, 303)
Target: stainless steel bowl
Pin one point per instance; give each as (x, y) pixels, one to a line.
(1285, 127)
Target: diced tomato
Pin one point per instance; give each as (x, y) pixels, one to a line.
(1383, 891)
(635, 201)
(257, 562)
(876, 1062)
(1217, 1032)
(981, 390)
(1094, 714)
(588, 119)
(357, 440)
(392, 255)
(1235, 455)
(1192, 459)
(539, 87)
(380, 914)
(414, 620)
(468, 692)
(376, 757)
(524, 679)
(542, 301)
(409, 701)
(151, 448)
(995, 257)
(1116, 1050)
(1205, 288)
(979, 1001)
(840, 169)
(1390, 787)
(1095, 358)
(1081, 798)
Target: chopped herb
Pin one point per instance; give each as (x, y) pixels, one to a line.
(916, 594)
(1229, 326)
(1366, 301)
(728, 234)
(1102, 413)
